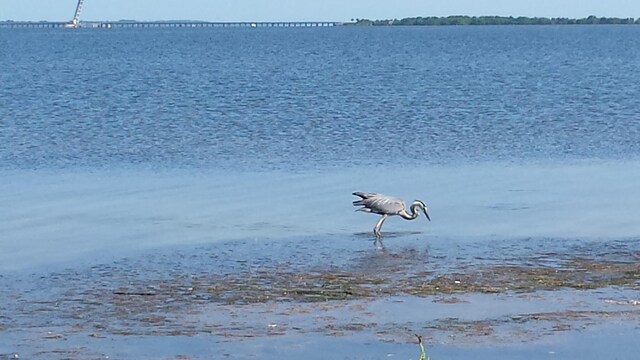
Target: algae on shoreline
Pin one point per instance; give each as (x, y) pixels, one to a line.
(382, 293)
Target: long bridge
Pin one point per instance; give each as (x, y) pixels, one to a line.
(76, 23)
(164, 24)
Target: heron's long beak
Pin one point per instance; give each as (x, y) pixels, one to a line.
(427, 214)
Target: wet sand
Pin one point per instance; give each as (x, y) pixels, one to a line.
(335, 297)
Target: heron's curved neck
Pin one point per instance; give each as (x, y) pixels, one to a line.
(412, 215)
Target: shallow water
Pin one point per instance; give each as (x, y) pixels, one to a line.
(275, 299)
(61, 216)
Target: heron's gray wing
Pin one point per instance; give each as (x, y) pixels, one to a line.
(382, 204)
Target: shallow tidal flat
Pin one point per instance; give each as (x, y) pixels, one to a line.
(524, 262)
(257, 299)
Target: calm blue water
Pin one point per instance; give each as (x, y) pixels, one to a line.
(121, 140)
(172, 153)
(296, 99)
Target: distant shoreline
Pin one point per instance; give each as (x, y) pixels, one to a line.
(494, 20)
(456, 20)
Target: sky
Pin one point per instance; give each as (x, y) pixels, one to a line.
(307, 10)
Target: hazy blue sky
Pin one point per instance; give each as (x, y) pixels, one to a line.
(308, 10)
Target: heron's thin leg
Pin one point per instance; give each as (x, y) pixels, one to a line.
(376, 229)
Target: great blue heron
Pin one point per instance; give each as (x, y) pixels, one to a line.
(387, 206)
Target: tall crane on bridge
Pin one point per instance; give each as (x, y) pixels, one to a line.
(75, 22)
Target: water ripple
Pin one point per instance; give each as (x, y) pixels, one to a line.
(289, 99)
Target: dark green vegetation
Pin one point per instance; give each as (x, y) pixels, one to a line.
(495, 20)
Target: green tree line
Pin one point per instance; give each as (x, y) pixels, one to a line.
(494, 20)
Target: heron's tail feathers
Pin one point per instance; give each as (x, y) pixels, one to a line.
(363, 200)
(362, 194)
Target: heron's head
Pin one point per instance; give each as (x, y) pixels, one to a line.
(417, 204)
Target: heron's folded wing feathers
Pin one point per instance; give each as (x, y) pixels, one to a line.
(384, 204)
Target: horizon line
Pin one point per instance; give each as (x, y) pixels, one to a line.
(352, 20)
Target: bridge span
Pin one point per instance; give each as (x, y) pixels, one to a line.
(164, 24)
(76, 23)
